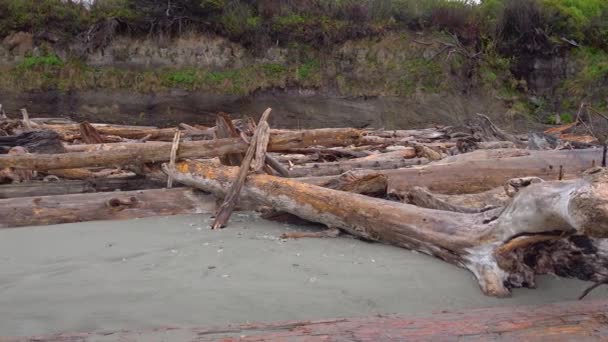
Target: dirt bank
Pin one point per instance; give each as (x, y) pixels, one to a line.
(165, 271)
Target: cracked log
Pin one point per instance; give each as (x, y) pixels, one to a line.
(138, 153)
(466, 240)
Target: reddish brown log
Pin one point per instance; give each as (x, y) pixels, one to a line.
(563, 322)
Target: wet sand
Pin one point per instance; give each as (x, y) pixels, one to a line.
(155, 272)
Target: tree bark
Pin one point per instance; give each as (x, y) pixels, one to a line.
(466, 240)
(47, 210)
(138, 153)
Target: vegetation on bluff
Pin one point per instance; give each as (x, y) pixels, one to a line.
(504, 35)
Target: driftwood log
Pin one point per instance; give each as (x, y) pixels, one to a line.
(47, 210)
(482, 170)
(488, 244)
(340, 167)
(138, 153)
(71, 132)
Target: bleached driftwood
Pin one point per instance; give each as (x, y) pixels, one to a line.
(483, 243)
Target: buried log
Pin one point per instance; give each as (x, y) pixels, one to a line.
(47, 210)
(138, 153)
(466, 240)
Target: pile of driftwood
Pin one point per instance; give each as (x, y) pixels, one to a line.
(506, 207)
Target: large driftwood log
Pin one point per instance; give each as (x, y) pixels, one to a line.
(47, 210)
(472, 241)
(472, 173)
(139, 153)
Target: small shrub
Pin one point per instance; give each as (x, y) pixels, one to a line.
(308, 69)
(30, 62)
(182, 78)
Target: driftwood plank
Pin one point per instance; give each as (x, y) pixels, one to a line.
(137, 153)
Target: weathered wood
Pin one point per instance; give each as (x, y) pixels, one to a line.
(561, 322)
(370, 185)
(14, 175)
(89, 134)
(225, 210)
(404, 153)
(136, 153)
(47, 210)
(477, 174)
(33, 142)
(466, 240)
(485, 130)
(276, 166)
(418, 134)
(463, 203)
(65, 187)
(261, 141)
(71, 132)
(337, 168)
(225, 129)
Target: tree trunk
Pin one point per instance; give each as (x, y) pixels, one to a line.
(139, 153)
(466, 240)
(34, 211)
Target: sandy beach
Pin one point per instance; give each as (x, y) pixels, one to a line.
(156, 272)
